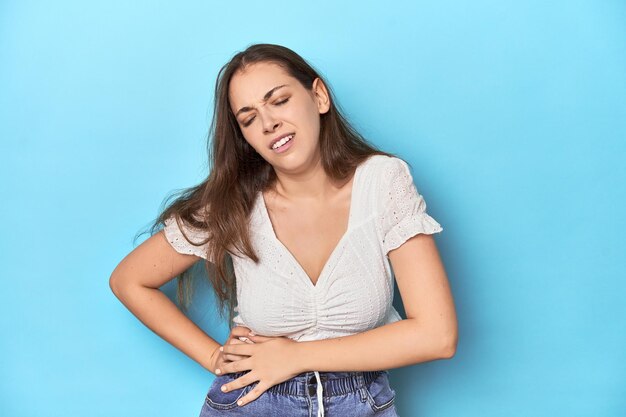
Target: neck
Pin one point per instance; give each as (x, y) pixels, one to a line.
(311, 183)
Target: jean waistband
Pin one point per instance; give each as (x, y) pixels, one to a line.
(333, 383)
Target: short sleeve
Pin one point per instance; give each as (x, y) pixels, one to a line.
(175, 237)
(403, 210)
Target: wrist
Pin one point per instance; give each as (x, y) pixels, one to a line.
(212, 362)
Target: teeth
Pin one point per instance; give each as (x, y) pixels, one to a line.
(282, 141)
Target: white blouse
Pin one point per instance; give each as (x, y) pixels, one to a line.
(354, 291)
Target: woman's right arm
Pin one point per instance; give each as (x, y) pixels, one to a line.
(136, 281)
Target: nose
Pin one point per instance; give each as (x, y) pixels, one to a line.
(270, 123)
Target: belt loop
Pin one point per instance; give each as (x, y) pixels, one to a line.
(360, 380)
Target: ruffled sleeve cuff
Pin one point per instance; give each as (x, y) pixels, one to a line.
(177, 240)
(403, 214)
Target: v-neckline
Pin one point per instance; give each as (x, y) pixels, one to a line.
(333, 253)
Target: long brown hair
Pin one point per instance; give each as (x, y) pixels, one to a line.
(236, 170)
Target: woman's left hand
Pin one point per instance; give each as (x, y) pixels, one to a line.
(271, 360)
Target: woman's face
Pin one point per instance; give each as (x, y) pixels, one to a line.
(268, 104)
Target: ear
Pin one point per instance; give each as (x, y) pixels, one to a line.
(322, 97)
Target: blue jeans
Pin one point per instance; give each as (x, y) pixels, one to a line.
(341, 394)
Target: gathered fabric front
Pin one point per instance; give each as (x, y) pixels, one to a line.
(354, 292)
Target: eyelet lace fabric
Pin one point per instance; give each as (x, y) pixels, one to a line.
(355, 291)
(404, 211)
(175, 237)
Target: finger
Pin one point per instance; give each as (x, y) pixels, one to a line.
(260, 339)
(240, 339)
(254, 393)
(239, 331)
(231, 357)
(236, 333)
(246, 349)
(234, 367)
(226, 359)
(240, 382)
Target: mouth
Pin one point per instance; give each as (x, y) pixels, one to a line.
(281, 140)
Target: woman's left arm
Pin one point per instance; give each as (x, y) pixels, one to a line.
(428, 333)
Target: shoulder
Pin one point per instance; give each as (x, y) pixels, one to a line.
(379, 178)
(384, 163)
(384, 170)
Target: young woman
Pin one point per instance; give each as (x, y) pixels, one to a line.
(300, 224)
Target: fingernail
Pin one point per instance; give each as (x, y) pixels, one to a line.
(221, 348)
(218, 371)
(224, 388)
(240, 402)
(251, 334)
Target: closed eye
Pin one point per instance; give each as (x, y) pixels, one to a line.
(278, 103)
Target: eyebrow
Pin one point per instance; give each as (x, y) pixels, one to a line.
(266, 97)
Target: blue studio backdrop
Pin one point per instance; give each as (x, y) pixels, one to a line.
(511, 114)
